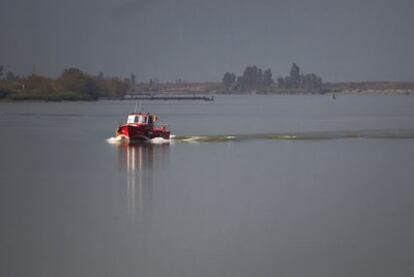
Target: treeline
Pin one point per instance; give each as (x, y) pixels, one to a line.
(75, 84)
(72, 84)
(254, 79)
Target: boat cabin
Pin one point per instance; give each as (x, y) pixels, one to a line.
(141, 118)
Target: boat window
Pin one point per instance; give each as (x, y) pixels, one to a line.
(131, 119)
(142, 119)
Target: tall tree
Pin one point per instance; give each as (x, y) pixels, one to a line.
(1, 71)
(228, 79)
(267, 78)
(239, 83)
(295, 75)
(133, 79)
(250, 78)
(259, 80)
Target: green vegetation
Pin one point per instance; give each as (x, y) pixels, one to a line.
(71, 85)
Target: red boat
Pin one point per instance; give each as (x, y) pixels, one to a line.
(141, 127)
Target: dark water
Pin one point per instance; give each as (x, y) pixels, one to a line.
(253, 186)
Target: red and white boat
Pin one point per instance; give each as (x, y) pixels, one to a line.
(141, 127)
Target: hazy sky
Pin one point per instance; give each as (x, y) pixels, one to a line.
(198, 40)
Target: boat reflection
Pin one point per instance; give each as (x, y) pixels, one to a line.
(141, 166)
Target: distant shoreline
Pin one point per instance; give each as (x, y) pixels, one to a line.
(169, 91)
(357, 88)
(161, 96)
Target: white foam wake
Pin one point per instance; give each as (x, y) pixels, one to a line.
(193, 139)
(124, 139)
(159, 141)
(117, 140)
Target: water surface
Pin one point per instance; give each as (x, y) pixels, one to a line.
(279, 186)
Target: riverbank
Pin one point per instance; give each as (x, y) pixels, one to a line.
(382, 88)
(202, 91)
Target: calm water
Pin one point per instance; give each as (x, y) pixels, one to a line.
(330, 195)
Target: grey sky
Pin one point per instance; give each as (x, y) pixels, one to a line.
(198, 40)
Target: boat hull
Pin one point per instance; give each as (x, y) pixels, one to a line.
(136, 132)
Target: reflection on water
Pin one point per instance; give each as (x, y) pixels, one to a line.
(140, 165)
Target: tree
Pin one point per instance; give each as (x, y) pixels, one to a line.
(281, 82)
(312, 81)
(250, 78)
(113, 87)
(259, 80)
(299, 80)
(288, 82)
(239, 81)
(267, 78)
(73, 79)
(1, 71)
(295, 76)
(133, 80)
(228, 79)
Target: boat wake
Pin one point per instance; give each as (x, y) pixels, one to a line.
(159, 141)
(125, 140)
(327, 135)
(303, 136)
(117, 140)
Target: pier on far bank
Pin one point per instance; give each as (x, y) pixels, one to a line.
(160, 97)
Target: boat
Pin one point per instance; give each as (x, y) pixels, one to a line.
(142, 127)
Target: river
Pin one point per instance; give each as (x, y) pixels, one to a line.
(251, 186)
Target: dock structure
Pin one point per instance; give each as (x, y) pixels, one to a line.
(161, 97)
